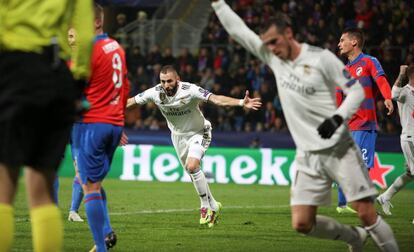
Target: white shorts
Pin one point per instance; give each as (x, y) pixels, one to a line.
(194, 145)
(316, 170)
(407, 147)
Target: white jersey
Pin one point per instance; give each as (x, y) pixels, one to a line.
(181, 110)
(306, 85)
(405, 98)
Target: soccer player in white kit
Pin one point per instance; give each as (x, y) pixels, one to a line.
(404, 95)
(306, 77)
(178, 102)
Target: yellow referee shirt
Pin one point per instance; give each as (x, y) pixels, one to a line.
(29, 25)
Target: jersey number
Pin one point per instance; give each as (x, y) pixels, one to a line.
(117, 66)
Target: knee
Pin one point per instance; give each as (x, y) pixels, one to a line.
(191, 168)
(366, 211)
(303, 227)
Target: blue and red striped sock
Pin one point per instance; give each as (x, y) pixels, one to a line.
(95, 212)
(107, 223)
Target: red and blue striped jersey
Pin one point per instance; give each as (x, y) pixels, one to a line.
(108, 87)
(368, 71)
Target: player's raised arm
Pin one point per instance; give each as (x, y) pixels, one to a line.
(142, 98)
(247, 102)
(238, 30)
(401, 80)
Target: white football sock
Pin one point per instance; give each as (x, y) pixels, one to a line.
(382, 235)
(200, 184)
(399, 183)
(328, 228)
(211, 200)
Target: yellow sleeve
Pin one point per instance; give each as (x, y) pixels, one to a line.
(83, 21)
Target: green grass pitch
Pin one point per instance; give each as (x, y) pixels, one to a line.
(154, 216)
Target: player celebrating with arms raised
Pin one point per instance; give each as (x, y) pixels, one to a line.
(190, 131)
(363, 124)
(306, 77)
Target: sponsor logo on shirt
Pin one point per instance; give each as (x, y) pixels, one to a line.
(292, 83)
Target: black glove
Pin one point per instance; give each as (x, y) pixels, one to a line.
(329, 126)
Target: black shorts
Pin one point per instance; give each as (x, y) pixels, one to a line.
(37, 110)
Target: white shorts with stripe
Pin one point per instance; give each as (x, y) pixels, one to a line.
(316, 170)
(407, 146)
(192, 145)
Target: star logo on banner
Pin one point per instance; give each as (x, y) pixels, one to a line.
(379, 172)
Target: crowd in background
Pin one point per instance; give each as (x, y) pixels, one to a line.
(223, 67)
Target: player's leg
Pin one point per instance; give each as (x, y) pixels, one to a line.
(192, 166)
(93, 165)
(110, 236)
(385, 198)
(95, 212)
(308, 192)
(8, 186)
(342, 203)
(47, 226)
(77, 196)
(378, 229)
(352, 175)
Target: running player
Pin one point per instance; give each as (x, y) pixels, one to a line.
(190, 131)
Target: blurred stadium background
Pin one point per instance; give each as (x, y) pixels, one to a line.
(247, 148)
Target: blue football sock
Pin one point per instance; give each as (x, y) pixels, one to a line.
(341, 197)
(56, 190)
(95, 212)
(107, 223)
(77, 195)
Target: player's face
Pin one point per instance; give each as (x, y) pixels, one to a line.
(346, 44)
(278, 43)
(169, 83)
(71, 37)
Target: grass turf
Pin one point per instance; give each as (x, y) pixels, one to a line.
(154, 216)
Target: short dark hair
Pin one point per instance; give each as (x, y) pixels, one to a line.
(410, 71)
(356, 33)
(280, 20)
(168, 69)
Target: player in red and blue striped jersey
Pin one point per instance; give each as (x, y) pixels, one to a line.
(95, 137)
(363, 124)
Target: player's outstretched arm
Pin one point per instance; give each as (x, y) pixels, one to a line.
(131, 102)
(247, 102)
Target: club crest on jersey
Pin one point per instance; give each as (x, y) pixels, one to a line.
(306, 69)
(359, 71)
(346, 74)
(163, 98)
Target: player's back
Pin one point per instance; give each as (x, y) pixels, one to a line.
(107, 91)
(366, 69)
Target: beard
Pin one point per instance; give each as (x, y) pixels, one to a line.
(172, 91)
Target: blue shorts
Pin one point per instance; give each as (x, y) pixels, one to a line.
(366, 141)
(93, 146)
